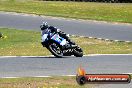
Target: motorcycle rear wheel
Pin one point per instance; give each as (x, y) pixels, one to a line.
(78, 52)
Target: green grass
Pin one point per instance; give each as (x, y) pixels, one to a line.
(20, 42)
(50, 82)
(115, 12)
(23, 43)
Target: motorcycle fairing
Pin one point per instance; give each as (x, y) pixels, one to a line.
(59, 39)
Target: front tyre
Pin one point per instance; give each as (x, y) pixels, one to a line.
(55, 50)
(78, 52)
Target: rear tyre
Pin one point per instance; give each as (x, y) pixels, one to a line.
(55, 50)
(78, 52)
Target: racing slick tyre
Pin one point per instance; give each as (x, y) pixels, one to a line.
(78, 52)
(55, 50)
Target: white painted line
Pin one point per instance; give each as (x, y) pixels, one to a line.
(25, 56)
(90, 37)
(7, 56)
(127, 41)
(73, 35)
(106, 39)
(81, 36)
(127, 73)
(69, 75)
(29, 76)
(42, 76)
(83, 55)
(108, 55)
(10, 77)
(99, 38)
(36, 56)
(116, 40)
(53, 76)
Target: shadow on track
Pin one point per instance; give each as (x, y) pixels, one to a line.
(46, 57)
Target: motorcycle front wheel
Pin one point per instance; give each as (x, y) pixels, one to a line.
(55, 50)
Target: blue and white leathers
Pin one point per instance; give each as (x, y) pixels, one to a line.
(44, 37)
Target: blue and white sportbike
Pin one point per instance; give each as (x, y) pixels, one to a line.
(59, 47)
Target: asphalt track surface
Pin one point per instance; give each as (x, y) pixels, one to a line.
(103, 30)
(50, 66)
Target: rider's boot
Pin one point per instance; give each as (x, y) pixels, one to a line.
(69, 46)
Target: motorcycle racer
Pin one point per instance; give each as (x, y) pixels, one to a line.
(46, 29)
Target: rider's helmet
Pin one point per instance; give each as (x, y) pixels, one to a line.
(44, 26)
